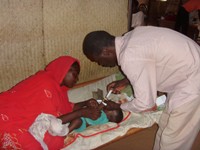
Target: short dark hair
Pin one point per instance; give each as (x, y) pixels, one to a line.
(95, 41)
(119, 115)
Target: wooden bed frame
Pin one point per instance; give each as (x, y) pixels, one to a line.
(129, 132)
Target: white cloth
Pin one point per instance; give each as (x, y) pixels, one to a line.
(137, 19)
(159, 59)
(47, 122)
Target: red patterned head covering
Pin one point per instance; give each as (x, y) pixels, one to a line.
(59, 67)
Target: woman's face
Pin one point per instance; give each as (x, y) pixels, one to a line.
(71, 77)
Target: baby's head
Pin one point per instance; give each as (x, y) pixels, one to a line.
(114, 115)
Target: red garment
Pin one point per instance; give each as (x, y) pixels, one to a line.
(40, 93)
(192, 5)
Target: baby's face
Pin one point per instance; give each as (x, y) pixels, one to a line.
(111, 115)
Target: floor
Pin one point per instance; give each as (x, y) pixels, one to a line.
(141, 141)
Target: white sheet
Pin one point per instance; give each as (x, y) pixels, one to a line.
(87, 139)
(96, 136)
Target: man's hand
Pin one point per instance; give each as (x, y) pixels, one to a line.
(154, 108)
(122, 101)
(91, 113)
(118, 85)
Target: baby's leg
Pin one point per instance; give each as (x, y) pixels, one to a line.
(74, 124)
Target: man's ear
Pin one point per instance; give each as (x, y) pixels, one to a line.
(106, 51)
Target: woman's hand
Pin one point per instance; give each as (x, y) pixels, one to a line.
(118, 85)
(92, 103)
(87, 103)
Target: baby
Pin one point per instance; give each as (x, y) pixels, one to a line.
(80, 124)
(106, 116)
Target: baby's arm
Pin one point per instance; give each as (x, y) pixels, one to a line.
(91, 113)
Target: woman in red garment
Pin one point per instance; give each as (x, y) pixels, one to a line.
(44, 92)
